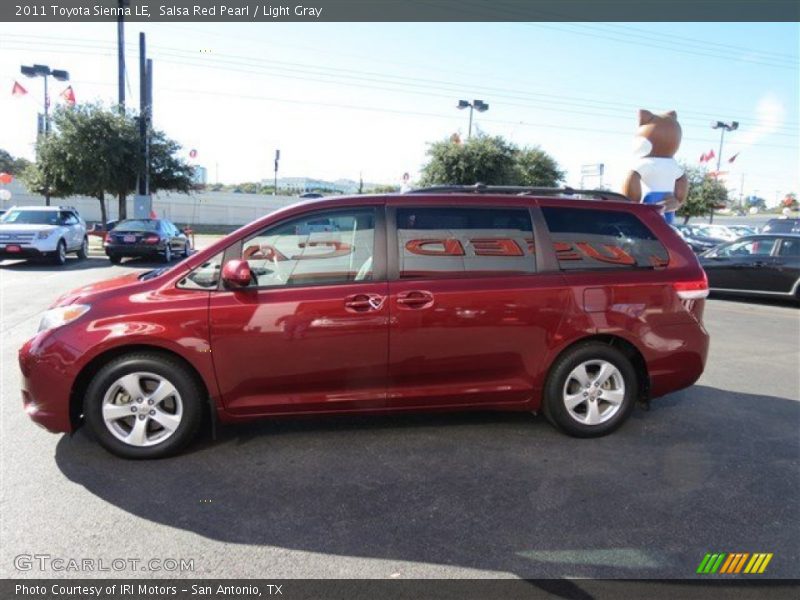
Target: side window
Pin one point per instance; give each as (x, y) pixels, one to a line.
(757, 247)
(67, 218)
(204, 277)
(602, 239)
(790, 247)
(323, 248)
(464, 242)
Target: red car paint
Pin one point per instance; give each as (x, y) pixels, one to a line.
(389, 344)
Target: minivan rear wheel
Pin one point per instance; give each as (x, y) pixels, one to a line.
(591, 390)
(143, 405)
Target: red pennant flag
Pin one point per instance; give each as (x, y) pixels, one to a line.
(68, 95)
(153, 214)
(733, 158)
(703, 157)
(711, 154)
(18, 90)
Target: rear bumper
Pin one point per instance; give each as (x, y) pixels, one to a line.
(676, 356)
(134, 249)
(47, 382)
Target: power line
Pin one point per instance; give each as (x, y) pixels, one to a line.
(450, 87)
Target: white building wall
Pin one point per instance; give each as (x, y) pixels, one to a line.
(206, 208)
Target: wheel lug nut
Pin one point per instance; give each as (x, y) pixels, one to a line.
(139, 400)
(142, 417)
(585, 394)
(150, 401)
(152, 412)
(133, 409)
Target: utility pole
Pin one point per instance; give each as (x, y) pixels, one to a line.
(143, 204)
(275, 185)
(122, 202)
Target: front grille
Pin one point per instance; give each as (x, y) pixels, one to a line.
(16, 238)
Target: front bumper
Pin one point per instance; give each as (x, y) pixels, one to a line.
(47, 380)
(25, 251)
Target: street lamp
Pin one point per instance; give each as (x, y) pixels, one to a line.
(723, 127)
(478, 105)
(44, 71)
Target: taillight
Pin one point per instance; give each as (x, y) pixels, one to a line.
(696, 289)
(151, 239)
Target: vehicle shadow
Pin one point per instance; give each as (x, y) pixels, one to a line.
(758, 300)
(72, 264)
(704, 470)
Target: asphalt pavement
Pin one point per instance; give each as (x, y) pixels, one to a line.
(713, 468)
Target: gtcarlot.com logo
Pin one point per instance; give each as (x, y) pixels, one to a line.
(731, 563)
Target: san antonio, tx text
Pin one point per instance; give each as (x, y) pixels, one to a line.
(141, 589)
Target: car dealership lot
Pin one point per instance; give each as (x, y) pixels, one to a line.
(713, 468)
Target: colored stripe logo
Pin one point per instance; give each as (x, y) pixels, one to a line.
(724, 563)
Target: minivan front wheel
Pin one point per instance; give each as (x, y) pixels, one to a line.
(591, 390)
(143, 405)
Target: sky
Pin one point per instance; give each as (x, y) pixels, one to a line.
(343, 100)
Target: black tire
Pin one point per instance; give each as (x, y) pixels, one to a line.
(191, 393)
(554, 406)
(83, 251)
(187, 249)
(60, 255)
(167, 253)
(115, 259)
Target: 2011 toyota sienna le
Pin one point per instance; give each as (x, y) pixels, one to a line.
(446, 299)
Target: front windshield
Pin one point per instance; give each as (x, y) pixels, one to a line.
(137, 225)
(30, 217)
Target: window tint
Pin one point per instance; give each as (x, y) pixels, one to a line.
(464, 242)
(602, 239)
(756, 247)
(330, 247)
(137, 225)
(790, 247)
(204, 277)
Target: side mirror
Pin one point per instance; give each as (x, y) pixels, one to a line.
(236, 274)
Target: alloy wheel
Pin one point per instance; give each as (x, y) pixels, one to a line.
(594, 392)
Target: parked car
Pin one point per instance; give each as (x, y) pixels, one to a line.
(98, 230)
(716, 232)
(148, 238)
(457, 298)
(790, 225)
(743, 230)
(697, 243)
(756, 265)
(43, 232)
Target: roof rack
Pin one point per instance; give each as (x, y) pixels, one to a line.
(481, 188)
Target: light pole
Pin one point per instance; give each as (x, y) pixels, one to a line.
(723, 127)
(275, 180)
(44, 71)
(478, 105)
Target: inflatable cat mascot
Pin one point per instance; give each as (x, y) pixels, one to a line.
(656, 177)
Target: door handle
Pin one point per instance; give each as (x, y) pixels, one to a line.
(415, 299)
(363, 302)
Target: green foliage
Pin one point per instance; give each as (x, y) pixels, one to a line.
(94, 151)
(383, 189)
(705, 193)
(12, 165)
(491, 160)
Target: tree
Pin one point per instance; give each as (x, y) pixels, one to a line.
(491, 160)
(10, 164)
(93, 151)
(536, 167)
(705, 194)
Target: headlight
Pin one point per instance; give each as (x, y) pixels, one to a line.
(43, 235)
(56, 317)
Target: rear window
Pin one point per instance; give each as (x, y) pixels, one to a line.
(782, 226)
(464, 242)
(137, 225)
(602, 239)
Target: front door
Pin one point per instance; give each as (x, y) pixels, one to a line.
(742, 265)
(311, 331)
(470, 319)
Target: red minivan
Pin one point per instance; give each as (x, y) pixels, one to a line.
(462, 298)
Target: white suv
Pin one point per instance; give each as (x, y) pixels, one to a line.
(43, 231)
